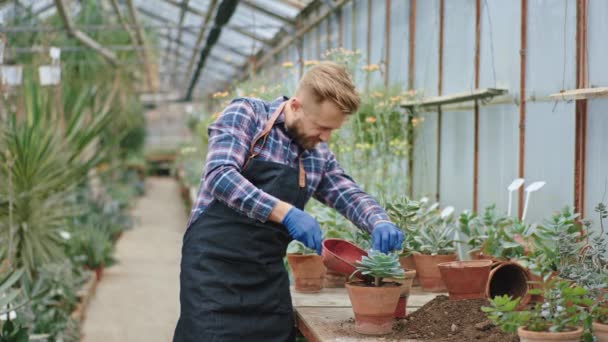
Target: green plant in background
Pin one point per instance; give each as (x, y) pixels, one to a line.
(405, 213)
(562, 309)
(50, 312)
(436, 233)
(478, 229)
(379, 265)
(91, 247)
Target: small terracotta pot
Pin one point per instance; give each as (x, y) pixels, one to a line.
(340, 256)
(509, 278)
(334, 280)
(401, 310)
(428, 271)
(600, 331)
(545, 336)
(308, 272)
(466, 279)
(374, 307)
(408, 263)
(406, 286)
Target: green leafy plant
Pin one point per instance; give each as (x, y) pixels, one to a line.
(53, 300)
(436, 235)
(11, 332)
(479, 229)
(562, 310)
(379, 265)
(91, 247)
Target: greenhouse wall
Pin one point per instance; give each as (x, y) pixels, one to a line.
(446, 141)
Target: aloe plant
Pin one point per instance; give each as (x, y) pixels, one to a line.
(379, 265)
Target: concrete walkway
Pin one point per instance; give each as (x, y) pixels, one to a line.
(138, 298)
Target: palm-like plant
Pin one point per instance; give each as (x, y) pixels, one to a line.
(43, 162)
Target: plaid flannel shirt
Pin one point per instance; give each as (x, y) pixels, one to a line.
(230, 137)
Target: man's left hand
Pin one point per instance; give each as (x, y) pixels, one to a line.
(386, 237)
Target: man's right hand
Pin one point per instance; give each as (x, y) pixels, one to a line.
(304, 228)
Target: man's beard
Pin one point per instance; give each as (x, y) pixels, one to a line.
(306, 142)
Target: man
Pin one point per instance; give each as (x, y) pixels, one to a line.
(265, 160)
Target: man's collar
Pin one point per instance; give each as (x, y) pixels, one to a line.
(274, 105)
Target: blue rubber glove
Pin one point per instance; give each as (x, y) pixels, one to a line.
(386, 237)
(304, 228)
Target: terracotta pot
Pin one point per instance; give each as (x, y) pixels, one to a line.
(401, 310)
(308, 272)
(428, 272)
(408, 263)
(334, 280)
(509, 278)
(466, 279)
(545, 336)
(373, 307)
(340, 256)
(406, 286)
(600, 331)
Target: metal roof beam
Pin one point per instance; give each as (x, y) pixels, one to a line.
(82, 37)
(268, 13)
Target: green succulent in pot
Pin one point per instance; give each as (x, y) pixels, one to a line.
(378, 266)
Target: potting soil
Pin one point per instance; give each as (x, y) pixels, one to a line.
(442, 320)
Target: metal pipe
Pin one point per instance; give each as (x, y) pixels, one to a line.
(82, 37)
(522, 101)
(476, 111)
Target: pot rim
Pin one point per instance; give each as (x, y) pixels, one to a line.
(464, 264)
(360, 284)
(573, 333)
(300, 255)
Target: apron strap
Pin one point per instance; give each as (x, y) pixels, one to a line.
(264, 135)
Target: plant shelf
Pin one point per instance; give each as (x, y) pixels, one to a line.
(580, 94)
(477, 94)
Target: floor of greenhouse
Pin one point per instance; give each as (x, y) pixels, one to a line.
(138, 298)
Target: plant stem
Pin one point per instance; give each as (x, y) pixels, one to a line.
(377, 281)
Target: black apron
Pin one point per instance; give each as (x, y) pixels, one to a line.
(233, 283)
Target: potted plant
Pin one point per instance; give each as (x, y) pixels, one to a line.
(558, 318)
(599, 316)
(477, 230)
(436, 245)
(405, 213)
(306, 267)
(374, 301)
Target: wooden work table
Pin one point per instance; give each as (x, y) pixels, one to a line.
(327, 316)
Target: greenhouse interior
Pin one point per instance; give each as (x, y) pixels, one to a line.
(364, 170)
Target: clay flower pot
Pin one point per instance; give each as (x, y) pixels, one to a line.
(545, 336)
(408, 263)
(334, 280)
(428, 271)
(406, 286)
(600, 331)
(466, 279)
(308, 272)
(340, 256)
(509, 278)
(373, 306)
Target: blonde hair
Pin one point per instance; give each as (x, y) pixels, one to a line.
(330, 81)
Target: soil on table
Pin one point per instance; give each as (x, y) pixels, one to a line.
(442, 320)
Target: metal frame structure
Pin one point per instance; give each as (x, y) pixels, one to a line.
(180, 26)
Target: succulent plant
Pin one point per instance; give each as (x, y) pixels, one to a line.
(380, 265)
